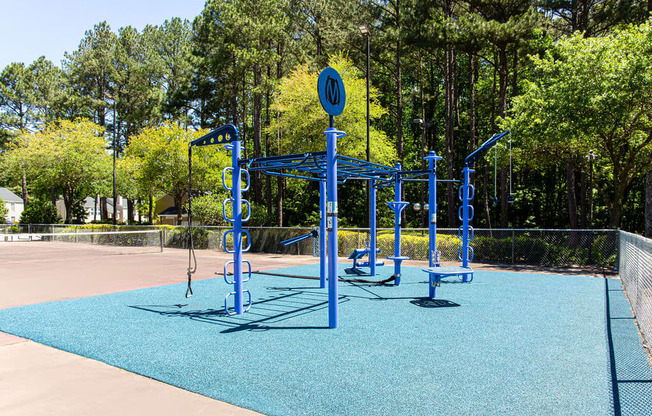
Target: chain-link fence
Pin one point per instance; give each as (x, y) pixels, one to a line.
(538, 247)
(635, 267)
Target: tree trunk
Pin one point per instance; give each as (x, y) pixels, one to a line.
(399, 102)
(178, 202)
(103, 208)
(53, 196)
(24, 190)
(151, 208)
(648, 200)
(257, 132)
(268, 178)
(583, 213)
(130, 210)
(424, 150)
(503, 76)
(570, 194)
(485, 184)
(279, 137)
(473, 139)
(504, 206)
(244, 115)
(449, 116)
(68, 202)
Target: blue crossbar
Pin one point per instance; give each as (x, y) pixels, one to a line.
(484, 148)
(294, 240)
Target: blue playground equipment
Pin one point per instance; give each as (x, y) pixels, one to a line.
(330, 169)
(358, 254)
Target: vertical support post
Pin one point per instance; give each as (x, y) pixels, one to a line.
(513, 246)
(432, 159)
(236, 192)
(397, 225)
(331, 222)
(322, 232)
(372, 227)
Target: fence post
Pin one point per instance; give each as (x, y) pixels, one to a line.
(512, 246)
(165, 234)
(618, 238)
(160, 237)
(76, 234)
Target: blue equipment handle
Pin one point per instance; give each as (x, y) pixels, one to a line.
(471, 233)
(226, 266)
(226, 303)
(484, 148)
(471, 192)
(293, 240)
(471, 213)
(244, 250)
(470, 252)
(231, 220)
(245, 189)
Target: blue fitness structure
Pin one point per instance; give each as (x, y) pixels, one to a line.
(331, 169)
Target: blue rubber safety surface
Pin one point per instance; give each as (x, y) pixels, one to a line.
(505, 344)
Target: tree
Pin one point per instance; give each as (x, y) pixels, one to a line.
(160, 162)
(16, 97)
(303, 123)
(3, 210)
(90, 71)
(207, 209)
(40, 212)
(594, 94)
(69, 156)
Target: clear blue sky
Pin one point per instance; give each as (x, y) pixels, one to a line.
(32, 28)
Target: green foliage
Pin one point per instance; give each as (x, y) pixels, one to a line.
(67, 155)
(79, 214)
(158, 160)
(4, 210)
(207, 209)
(303, 122)
(593, 93)
(40, 212)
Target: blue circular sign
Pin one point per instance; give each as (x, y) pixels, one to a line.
(331, 91)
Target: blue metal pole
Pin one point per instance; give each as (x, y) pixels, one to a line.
(237, 228)
(432, 159)
(322, 232)
(331, 222)
(397, 225)
(372, 227)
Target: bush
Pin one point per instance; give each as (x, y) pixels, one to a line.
(38, 212)
(3, 210)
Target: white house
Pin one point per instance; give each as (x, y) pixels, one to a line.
(93, 210)
(14, 204)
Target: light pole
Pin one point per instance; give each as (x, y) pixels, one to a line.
(115, 139)
(591, 156)
(364, 31)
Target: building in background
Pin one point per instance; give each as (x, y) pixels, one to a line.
(167, 212)
(14, 203)
(93, 209)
